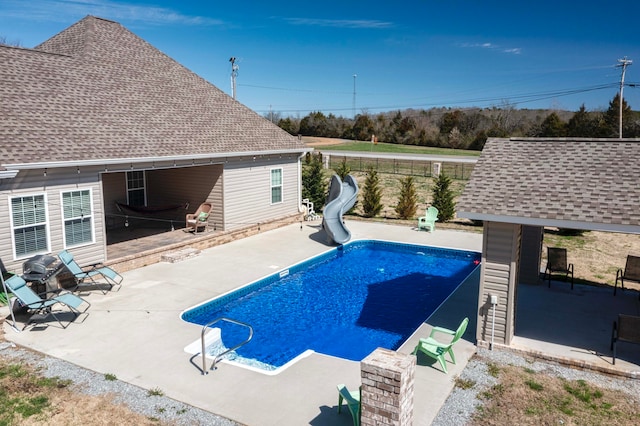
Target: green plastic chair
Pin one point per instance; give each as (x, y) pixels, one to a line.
(352, 398)
(437, 350)
(428, 221)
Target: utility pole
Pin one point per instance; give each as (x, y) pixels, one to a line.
(354, 96)
(623, 63)
(234, 74)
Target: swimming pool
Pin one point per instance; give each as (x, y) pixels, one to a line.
(345, 303)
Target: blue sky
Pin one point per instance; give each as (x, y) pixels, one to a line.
(298, 57)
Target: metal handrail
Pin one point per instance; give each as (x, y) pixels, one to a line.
(219, 356)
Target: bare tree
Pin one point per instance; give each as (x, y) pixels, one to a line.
(5, 42)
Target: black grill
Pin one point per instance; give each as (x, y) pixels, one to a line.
(38, 268)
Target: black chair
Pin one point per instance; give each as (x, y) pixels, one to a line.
(557, 263)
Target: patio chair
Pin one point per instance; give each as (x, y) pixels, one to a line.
(199, 219)
(37, 305)
(90, 275)
(352, 398)
(631, 272)
(428, 221)
(436, 349)
(626, 329)
(557, 263)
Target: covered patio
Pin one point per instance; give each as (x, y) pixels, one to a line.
(520, 186)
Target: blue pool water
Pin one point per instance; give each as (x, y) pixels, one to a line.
(345, 303)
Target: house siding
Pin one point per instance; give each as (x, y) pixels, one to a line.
(247, 191)
(501, 248)
(32, 182)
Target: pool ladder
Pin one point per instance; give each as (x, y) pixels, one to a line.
(220, 355)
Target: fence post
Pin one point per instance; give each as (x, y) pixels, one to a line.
(435, 169)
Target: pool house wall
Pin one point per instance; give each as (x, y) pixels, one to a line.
(498, 277)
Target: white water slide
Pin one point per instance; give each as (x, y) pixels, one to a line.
(342, 196)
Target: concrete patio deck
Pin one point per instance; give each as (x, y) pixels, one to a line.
(136, 333)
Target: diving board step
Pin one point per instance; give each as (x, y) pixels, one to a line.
(177, 256)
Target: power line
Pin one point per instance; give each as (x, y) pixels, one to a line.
(515, 99)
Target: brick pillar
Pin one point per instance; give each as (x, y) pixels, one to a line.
(387, 388)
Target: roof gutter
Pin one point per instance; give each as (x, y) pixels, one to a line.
(15, 168)
(558, 223)
(8, 174)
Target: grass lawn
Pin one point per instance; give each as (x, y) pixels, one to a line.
(363, 146)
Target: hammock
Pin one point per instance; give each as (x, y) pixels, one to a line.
(150, 210)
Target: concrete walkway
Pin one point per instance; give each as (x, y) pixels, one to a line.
(136, 333)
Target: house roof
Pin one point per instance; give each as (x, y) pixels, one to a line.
(96, 91)
(591, 184)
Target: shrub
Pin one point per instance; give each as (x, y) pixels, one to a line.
(408, 199)
(371, 194)
(314, 183)
(343, 169)
(443, 198)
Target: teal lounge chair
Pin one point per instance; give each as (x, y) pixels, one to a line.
(437, 350)
(352, 398)
(428, 221)
(86, 277)
(37, 305)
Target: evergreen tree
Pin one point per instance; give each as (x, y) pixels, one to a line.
(371, 194)
(611, 119)
(553, 126)
(583, 124)
(443, 198)
(314, 182)
(343, 169)
(408, 199)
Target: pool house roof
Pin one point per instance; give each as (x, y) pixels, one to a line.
(578, 183)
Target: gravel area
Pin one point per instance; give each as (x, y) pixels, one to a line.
(461, 403)
(457, 409)
(137, 399)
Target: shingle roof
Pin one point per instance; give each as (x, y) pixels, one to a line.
(573, 183)
(97, 91)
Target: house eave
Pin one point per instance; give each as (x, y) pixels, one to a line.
(570, 224)
(16, 167)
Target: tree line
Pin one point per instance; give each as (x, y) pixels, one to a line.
(466, 128)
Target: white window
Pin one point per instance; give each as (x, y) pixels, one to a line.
(29, 224)
(136, 189)
(77, 215)
(276, 186)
